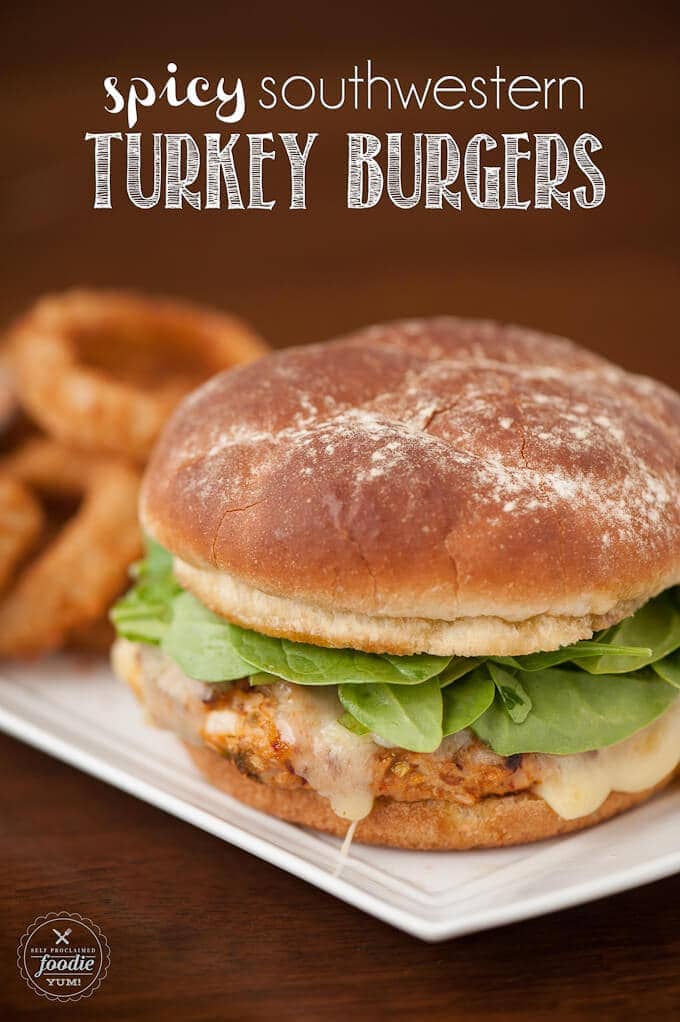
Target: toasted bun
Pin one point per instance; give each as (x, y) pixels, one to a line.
(442, 486)
(432, 824)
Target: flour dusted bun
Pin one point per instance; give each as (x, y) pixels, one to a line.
(444, 485)
(431, 824)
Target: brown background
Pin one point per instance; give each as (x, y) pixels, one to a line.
(198, 929)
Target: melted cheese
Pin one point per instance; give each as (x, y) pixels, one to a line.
(333, 761)
(170, 699)
(578, 785)
(343, 854)
(222, 723)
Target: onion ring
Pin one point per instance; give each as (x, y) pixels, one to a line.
(21, 522)
(96, 638)
(8, 403)
(74, 580)
(103, 370)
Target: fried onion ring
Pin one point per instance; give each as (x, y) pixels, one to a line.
(103, 370)
(72, 582)
(21, 522)
(8, 402)
(96, 638)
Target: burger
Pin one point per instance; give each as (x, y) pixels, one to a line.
(420, 583)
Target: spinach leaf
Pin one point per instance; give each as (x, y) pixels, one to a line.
(145, 612)
(669, 669)
(583, 649)
(514, 704)
(467, 700)
(316, 665)
(458, 668)
(408, 716)
(201, 643)
(157, 562)
(352, 724)
(575, 712)
(209, 648)
(260, 678)
(412, 669)
(655, 625)
(512, 692)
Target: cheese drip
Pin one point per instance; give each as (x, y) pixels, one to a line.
(576, 786)
(334, 762)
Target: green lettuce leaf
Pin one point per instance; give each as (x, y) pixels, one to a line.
(467, 700)
(315, 665)
(407, 716)
(655, 625)
(575, 712)
(201, 642)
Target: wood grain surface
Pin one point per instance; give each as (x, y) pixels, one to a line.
(200, 930)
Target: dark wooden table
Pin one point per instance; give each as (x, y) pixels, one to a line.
(197, 929)
(200, 930)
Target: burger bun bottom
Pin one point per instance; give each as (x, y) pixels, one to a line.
(431, 824)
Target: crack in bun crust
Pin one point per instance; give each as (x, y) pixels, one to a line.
(440, 470)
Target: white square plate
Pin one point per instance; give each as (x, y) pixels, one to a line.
(83, 716)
